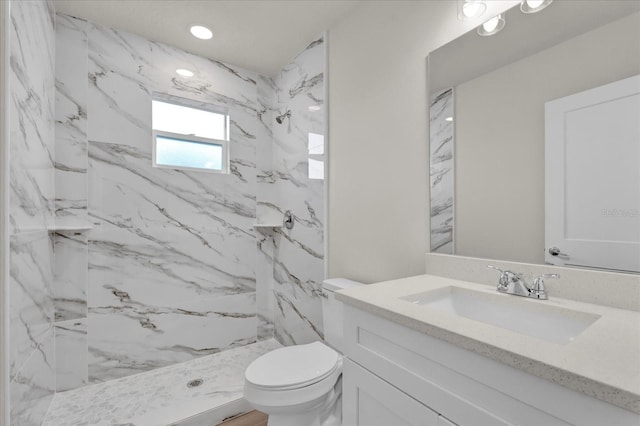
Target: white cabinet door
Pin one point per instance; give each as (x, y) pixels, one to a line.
(368, 400)
(592, 177)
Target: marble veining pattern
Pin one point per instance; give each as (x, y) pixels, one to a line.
(71, 354)
(173, 268)
(31, 209)
(161, 396)
(31, 295)
(70, 275)
(298, 260)
(441, 171)
(32, 388)
(71, 120)
(265, 191)
(170, 250)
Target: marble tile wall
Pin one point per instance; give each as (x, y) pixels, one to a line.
(172, 253)
(31, 210)
(173, 267)
(298, 254)
(265, 213)
(441, 171)
(167, 272)
(71, 121)
(70, 247)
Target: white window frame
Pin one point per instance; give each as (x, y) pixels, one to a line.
(223, 143)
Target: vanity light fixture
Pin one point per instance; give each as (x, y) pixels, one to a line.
(492, 26)
(533, 6)
(184, 73)
(470, 9)
(201, 32)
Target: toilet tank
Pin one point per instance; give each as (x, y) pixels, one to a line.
(332, 310)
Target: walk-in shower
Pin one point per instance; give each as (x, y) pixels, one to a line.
(131, 283)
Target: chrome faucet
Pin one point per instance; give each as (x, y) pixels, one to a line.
(513, 283)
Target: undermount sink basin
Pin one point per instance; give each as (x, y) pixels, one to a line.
(532, 318)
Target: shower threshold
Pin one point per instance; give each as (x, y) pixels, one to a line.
(201, 392)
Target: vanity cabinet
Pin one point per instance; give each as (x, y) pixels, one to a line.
(394, 375)
(374, 402)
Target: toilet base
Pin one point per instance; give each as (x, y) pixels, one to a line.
(324, 412)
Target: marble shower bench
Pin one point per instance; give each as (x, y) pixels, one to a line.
(164, 396)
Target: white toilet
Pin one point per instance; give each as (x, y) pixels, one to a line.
(302, 385)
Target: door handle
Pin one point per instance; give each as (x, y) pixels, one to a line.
(555, 251)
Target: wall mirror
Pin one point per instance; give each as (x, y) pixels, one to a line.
(496, 101)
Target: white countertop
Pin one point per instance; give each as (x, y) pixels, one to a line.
(603, 361)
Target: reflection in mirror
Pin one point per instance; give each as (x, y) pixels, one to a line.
(494, 91)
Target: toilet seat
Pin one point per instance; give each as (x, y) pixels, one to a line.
(293, 367)
(288, 378)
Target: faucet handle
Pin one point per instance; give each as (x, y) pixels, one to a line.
(538, 283)
(505, 273)
(538, 287)
(505, 276)
(496, 268)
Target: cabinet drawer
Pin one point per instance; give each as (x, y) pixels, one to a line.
(370, 401)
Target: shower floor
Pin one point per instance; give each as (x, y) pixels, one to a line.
(161, 397)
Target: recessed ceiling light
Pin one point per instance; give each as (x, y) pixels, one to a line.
(533, 6)
(184, 73)
(492, 26)
(469, 9)
(201, 32)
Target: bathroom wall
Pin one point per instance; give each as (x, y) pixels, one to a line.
(378, 154)
(31, 210)
(296, 183)
(172, 267)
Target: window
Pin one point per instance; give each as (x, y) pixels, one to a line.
(189, 135)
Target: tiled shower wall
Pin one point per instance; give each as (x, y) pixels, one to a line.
(171, 257)
(298, 254)
(31, 201)
(170, 270)
(70, 248)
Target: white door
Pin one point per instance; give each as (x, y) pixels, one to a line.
(592, 177)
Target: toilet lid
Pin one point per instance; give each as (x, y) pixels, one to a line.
(291, 366)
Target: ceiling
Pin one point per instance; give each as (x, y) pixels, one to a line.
(260, 35)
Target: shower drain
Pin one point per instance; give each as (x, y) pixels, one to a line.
(195, 383)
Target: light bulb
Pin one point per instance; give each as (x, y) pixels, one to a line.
(491, 24)
(184, 73)
(201, 32)
(471, 9)
(534, 4)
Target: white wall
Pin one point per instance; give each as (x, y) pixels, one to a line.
(378, 130)
(500, 149)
